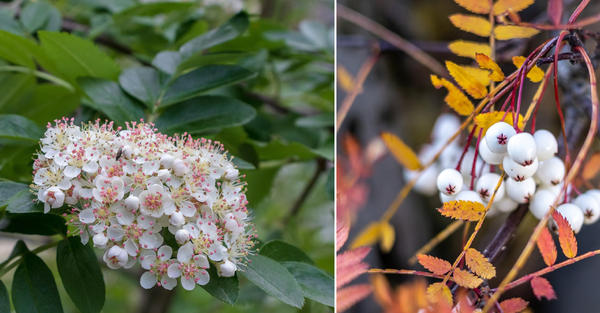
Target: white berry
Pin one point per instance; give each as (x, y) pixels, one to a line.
(497, 136)
(545, 144)
(426, 183)
(466, 166)
(589, 207)
(487, 155)
(505, 205)
(572, 214)
(595, 193)
(520, 191)
(468, 195)
(486, 185)
(450, 181)
(446, 198)
(521, 148)
(541, 203)
(445, 126)
(517, 171)
(551, 172)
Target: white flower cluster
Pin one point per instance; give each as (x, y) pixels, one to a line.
(534, 174)
(129, 188)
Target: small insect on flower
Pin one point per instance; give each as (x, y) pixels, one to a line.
(154, 183)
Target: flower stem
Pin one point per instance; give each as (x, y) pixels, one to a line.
(40, 74)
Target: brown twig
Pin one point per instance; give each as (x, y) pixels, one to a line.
(321, 167)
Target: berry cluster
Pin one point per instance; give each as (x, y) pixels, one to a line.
(129, 188)
(534, 174)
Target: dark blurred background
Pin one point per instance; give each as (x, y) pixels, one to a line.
(398, 97)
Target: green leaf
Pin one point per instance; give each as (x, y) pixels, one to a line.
(151, 9)
(315, 283)
(203, 79)
(278, 150)
(282, 251)
(35, 224)
(223, 288)
(74, 56)
(107, 97)
(4, 300)
(13, 88)
(48, 102)
(40, 15)
(167, 61)
(259, 183)
(8, 22)
(274, 279)
(320, 120)
(143, 83)
(8, 189)
(80, 273)
(236, 26)
(16, 127)
(204, 113)
(33, 287)
(16, 49)
(24, 202)
(199, 60)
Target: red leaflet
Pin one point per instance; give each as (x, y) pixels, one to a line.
(541, 288)
(513, 305)
(546, 246)
(348, 296)
(555, 11)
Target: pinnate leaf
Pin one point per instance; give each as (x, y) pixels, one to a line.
(535, 74)
(475, 6)
(466, 279)
(439, 292)
(566, 238)
(472, 24)
(513, 305)
(463, 210)
(402, 152)
(350, 265)
(506, 32)
(546, 246)
(435, 265)
(479, 264)
(469, 48)
(542, 288)
(455, 98)
(486, 62)
(469, 84)
(502, 6)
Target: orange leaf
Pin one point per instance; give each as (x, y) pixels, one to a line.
(475, 6)
(566, 238)
(469, 48)
(455, 98)
(345, 79)
(506, 32)
(403, 153)
(472, 24)
(479, 264)
(535, 74)
(485, 120)
(546, 246)
(592, 167)
(502, 6)
(466, 279)
(439, 291)
(513, 305)
(433, 264)
(388, 236)
(487, 63)
(469, 84)
(463, 210)
(542, 288)
(381, 290)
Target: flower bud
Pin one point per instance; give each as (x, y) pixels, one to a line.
(227, 269)
(132, 202)
(182, 236)
(179, 167)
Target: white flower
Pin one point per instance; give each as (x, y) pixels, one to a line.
(191, 268)
(100, 240)
(108, 189)
(115, 257)
(156, 202)
(179, 167)
(157, 266)
(53, 198)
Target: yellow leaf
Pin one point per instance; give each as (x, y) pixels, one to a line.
(455, 99)
(505, 32)
(482, 76)
(345, 79)
(485, 120)
(487, 63)
(466, 279)
(439, 291)
(502, 6)
(479, 264)
(403, 153)
(388, 236)
(535, 74)
(475, 6)
(472, 24)
(469, 84)
(469, 48)
(463, 210)
(367, 236)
